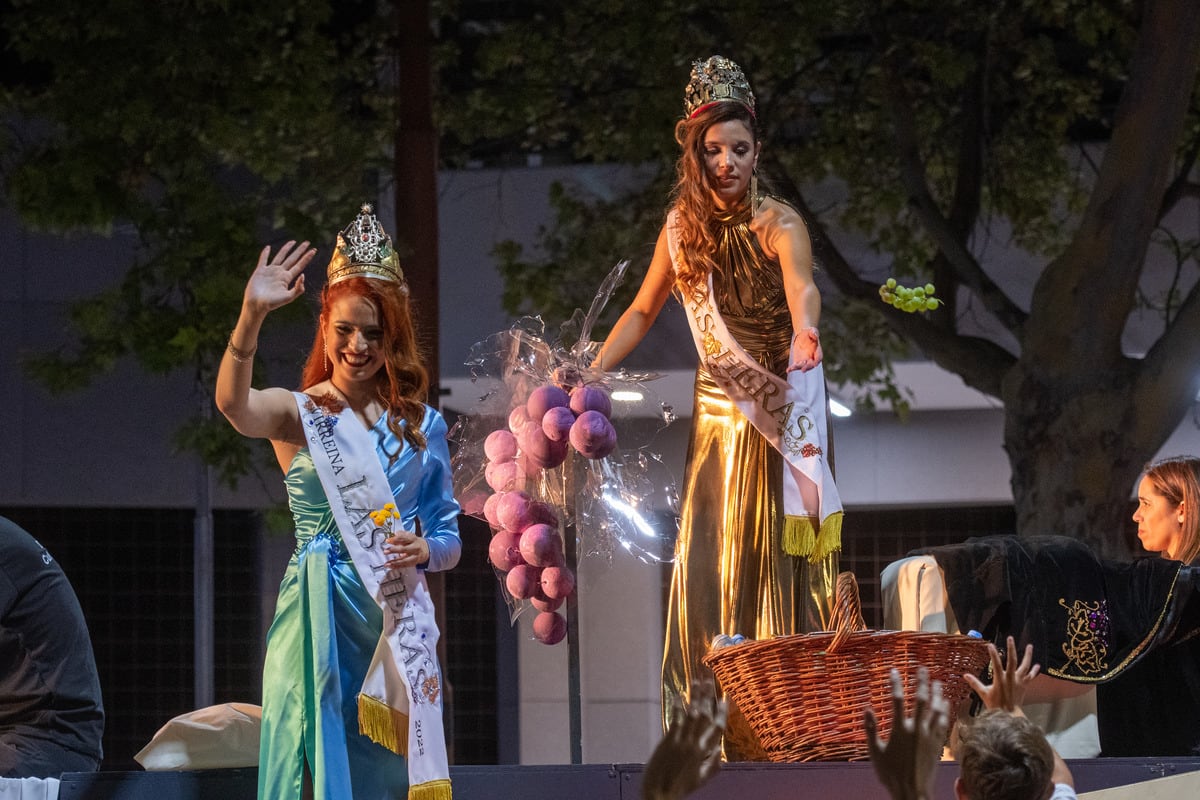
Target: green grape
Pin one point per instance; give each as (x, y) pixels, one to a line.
(913, 299)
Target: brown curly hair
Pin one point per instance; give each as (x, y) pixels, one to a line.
(693, 193)
(1004, 757)
(403, 383)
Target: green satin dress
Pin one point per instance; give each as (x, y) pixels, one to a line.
(326, 628)
(731, 574)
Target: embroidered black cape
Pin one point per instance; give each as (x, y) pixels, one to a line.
(1130, 627)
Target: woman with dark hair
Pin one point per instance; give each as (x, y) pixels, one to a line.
(760, 517)
(353, 643)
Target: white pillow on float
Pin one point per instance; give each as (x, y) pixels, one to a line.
(217, 737)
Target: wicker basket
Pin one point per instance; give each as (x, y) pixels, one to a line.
(804, 695)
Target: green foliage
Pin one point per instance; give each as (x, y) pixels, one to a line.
(869, 369)
(207, 129)
(996, 98)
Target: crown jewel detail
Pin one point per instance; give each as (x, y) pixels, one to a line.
(716, 80)
(364, 249)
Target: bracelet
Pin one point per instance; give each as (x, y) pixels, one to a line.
(240, 356)
(813, 328)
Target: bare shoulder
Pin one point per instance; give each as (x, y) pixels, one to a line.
(779, 226)
(775, 215)
(319, 389)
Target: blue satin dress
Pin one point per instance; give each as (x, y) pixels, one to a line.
(326, 628)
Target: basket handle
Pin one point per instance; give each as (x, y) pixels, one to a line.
(847, 615)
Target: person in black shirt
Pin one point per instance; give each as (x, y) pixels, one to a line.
(51, 714)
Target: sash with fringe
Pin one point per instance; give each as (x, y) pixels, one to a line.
(790, 414)
(400, 703)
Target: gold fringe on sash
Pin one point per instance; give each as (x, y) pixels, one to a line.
(433, 790)
(802, 539)
(799, 535)
(385, 726)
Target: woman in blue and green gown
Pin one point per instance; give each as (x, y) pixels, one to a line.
(326, 625)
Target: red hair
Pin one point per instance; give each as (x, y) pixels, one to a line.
(693, 194)
(403, 383)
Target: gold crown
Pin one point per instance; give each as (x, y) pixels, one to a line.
(716, 80)
(364, 250)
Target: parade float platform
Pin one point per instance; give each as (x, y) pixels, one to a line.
(762, 781)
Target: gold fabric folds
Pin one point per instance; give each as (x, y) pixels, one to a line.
(731, 574)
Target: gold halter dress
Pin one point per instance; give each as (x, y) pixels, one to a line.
(731, 574)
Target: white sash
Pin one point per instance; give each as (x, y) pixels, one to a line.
(789, 414)
(400, 704)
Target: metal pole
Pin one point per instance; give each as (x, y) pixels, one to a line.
(202, 582)
(571, 549)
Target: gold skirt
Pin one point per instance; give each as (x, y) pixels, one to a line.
(731, 574)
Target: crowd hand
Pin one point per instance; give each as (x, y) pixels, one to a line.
(278, 280)
(690, 751)
(907, 762)
(805, 351)
(407, 550)
(1010, 680)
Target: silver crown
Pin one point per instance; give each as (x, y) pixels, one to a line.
(364, 249)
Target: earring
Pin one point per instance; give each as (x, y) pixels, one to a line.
(754, 188)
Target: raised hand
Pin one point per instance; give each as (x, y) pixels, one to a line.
(1010, 679)
(278, 280)
(906, 763)
(690, 751)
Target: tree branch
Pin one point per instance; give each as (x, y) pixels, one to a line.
(968, 183)
(1164, 389)
(1092, 285)
(981, 364)
(1181, 187)
(950, 240)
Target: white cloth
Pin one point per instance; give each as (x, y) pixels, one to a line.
(29, 788)
(913, 591)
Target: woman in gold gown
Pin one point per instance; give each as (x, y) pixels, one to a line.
(731, 573)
